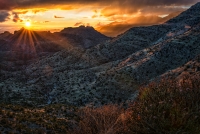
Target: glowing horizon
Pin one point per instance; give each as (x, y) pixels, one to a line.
(110, 18)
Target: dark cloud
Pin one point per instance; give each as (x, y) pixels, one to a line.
(16, 17)
(58, 17)
(162, 9)
(11, 4)
(146, 7)
(4, 15)
(7, 4)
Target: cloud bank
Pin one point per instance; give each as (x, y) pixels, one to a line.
(122, 14)
(58, 17)
(130, 5)
(115, 28)
(4, 15)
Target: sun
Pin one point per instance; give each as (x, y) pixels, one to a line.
(28, 24)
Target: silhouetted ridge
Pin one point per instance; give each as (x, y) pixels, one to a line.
(190, 17)
(29, 41)
(85, 37)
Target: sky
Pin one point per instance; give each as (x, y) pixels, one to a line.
(111, 17)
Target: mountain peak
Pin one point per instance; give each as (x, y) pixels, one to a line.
(81, 28)
(190, 17)
(196, 5)
(86, 36)
(21, 30)
(194, 9)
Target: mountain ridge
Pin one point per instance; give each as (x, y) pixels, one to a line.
(86, 35)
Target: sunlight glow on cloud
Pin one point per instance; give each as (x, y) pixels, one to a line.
(113, 15)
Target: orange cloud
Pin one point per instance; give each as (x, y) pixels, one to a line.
(58, 17)
(38, 10)
(16, 17)
(79, 23)
(118, 10)
(94, 16)
(116, 28)
(4, 15)
(125, 4)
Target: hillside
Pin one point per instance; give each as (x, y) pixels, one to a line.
(109, 71)
(25, 46)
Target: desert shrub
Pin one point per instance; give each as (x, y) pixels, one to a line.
(109, 119)
(169, 106)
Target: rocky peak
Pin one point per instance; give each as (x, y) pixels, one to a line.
(84, 36)
(70, 29)
(30, 42)
(81, 30)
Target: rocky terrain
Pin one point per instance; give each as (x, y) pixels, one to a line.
(91, 70)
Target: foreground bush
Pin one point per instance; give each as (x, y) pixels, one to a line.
(168, 107)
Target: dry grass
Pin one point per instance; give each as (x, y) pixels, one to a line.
(29, 120)
(109, 119)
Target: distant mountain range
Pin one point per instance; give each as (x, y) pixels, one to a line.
(83, 67)
(30, 41)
